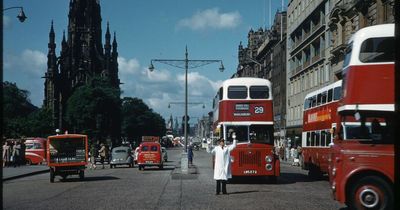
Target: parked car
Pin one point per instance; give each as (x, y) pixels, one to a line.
(164, 154)
(135, 155)
(121, 156)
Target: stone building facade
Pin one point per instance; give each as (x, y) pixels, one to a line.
(248, 65)
(82, 57)
(307, 52)
(348, 16)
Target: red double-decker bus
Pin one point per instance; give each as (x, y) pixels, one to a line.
(361, 168)
(244, 106)
(319, 117)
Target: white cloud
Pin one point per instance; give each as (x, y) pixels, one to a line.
(211, 18)
(163, 86)
(32, 62)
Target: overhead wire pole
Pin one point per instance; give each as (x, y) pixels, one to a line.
(193, 64)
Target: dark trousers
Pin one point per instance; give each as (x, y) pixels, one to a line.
(223, 183)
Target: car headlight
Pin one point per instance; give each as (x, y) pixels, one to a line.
(268, 167)
(268, 159)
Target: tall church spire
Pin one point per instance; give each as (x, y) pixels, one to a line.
(107, 45)
(51, 55)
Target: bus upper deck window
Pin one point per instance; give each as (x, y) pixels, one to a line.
(337, 93)
(237, 92)
(221, 93)
(330, 95)
(377, 50)
(259, 92)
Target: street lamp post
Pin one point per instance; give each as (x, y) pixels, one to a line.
(178, 64)
(21, 15)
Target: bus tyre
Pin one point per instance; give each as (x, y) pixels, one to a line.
(81, 174)
(28, 162)
(161, 166)
(371, 192)
(52, 175)
(313, 171)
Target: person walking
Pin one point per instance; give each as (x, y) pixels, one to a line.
(6, 154)
(16, 152)
(102, 153)
(92, 161)
(222, 163)
(190, 153)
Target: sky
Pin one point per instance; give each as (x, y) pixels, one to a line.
(145, 30)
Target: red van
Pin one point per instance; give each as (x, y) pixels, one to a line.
(35, 152)
(150, 155)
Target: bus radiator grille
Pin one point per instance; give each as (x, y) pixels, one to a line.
(249, 158)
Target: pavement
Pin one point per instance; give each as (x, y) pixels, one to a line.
(10, 173)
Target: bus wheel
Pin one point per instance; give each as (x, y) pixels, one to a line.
(81, 174)
(313, 171)
(52, 175)
(64, 176)
(28, 162)
(371, 192)
(161, 166)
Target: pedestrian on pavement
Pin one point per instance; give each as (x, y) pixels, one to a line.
(16, 152)
(23, 150)
(190, 153)
(102, 153)
(222, 163)
(92, 161)
(6, 154)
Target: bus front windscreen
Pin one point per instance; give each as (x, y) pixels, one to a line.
(254, 133)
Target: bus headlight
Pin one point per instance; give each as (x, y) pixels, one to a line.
(232, 159)
(268, 167)
(268, 159)
(334, 171)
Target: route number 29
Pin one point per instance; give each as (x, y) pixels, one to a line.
(258, 109)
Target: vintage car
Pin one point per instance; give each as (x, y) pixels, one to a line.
(150, 155)
(135, 155)
(121, 156)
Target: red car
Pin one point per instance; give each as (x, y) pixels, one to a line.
(150, 155)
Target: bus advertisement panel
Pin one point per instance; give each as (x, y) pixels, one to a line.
(320, 110)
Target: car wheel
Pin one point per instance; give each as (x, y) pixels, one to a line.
(371, 192)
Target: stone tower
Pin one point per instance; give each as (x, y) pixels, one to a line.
(82, 57)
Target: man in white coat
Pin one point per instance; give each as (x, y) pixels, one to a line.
(222, 163)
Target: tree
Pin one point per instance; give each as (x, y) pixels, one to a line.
(139, 120)
(95, 109)
(16, 108)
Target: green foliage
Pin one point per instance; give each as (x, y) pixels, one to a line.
(139, 120)
(94, 109)
(16, 109)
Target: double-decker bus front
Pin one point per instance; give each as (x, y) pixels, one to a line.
(361, 170)
(244, 106)
(320, 110)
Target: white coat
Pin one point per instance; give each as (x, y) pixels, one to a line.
(222, 165)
